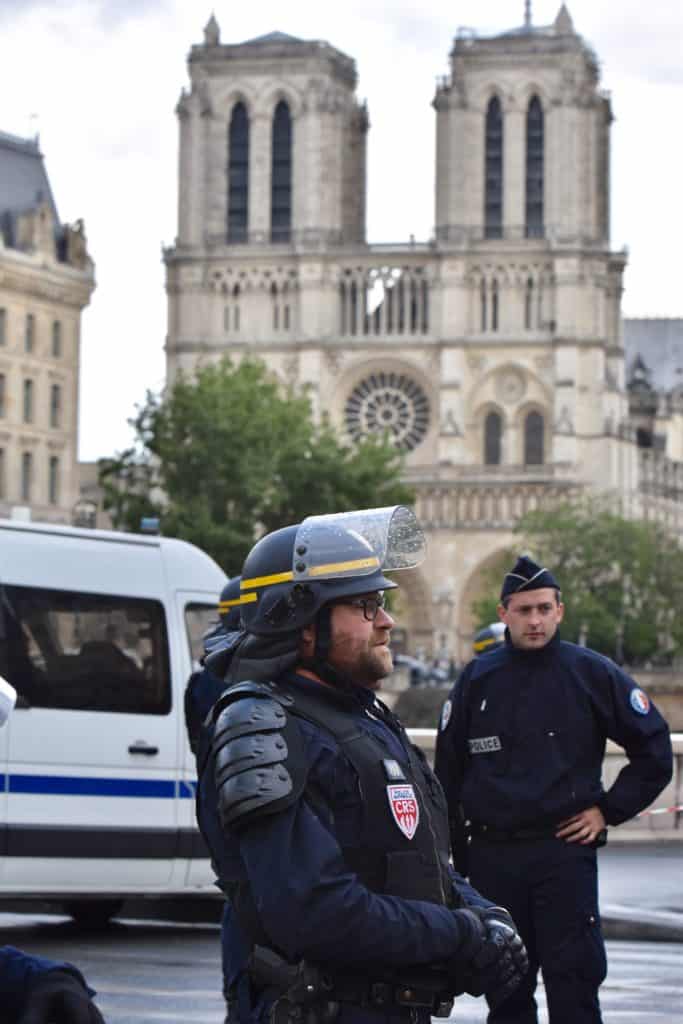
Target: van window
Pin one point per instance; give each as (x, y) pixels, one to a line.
(89, 652)
(199, 619)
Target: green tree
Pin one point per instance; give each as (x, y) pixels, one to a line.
(225, 457)
(622, 579)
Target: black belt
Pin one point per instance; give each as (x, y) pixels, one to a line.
(502, 835)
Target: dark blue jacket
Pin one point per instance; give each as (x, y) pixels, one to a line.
(309, 902)
(523, 734)
(17, 971)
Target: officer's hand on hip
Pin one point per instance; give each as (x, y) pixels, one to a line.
(584, 827)
(58, 997)
(495, 957)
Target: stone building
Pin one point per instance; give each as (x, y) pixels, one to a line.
(46, 278)
(493, 353)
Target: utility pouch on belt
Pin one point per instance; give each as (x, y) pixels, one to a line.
(311, 994)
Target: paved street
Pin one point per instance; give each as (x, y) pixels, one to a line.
(146, 972)
(149, 971)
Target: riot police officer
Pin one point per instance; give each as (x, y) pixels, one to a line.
(327, 828)
(201, 693)
(489, 638)
(519, 754)
(33, 989)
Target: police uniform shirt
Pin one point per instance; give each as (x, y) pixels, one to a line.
(522, 738)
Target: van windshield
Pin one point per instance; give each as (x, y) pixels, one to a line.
(91, 652)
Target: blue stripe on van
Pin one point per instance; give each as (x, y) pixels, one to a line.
(75, 785)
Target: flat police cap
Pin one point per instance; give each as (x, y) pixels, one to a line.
(526, 575)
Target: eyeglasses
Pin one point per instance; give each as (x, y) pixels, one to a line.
(370, 605)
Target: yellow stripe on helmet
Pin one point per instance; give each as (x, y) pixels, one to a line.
(223, 606)
(481, 645)
(266, 581)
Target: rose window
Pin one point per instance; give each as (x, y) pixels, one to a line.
(391, 404)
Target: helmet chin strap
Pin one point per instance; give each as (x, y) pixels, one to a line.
(319, 663)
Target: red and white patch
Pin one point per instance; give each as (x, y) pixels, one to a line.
(405, 809)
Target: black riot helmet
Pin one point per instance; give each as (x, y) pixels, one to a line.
(488, 638)
(290, 574)
(229, 605)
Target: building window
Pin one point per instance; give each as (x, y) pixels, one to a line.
(56, 339)
(533, 439)
(26, 475)
(493, 191)
(390, 405)
(29, 335)
(3, 482)
(483, 305)
(276, 307)
(3, 326)
(53, 481)
(529, 304)
(494, 305)
(55, 405)
(238, 174)
(281, 190)
(534, 169)
(3, 392)
(28, 401)
(493, 432)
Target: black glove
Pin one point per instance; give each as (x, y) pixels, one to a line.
(493, 960)
(57, 997)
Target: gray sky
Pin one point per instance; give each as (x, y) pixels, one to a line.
(103, 78)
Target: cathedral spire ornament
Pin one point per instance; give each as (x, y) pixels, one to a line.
(527, 13)
(212, 33)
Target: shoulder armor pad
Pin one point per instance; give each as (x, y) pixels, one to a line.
(257, 751)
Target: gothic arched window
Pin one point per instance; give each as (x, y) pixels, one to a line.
(495, 304)
(281, 180)
(238, 174)
(534, 169)
(529, 304)
(493, 202)
(533, 439)
(493, 433)
(483, 305)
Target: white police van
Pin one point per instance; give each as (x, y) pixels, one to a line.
(99, 632)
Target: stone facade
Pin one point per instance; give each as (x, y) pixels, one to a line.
(46, 278)
(493, 354)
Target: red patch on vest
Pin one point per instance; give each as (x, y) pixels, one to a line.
(405, 809)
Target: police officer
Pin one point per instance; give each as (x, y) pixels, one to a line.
(489, 638)
(201, 693)
(327, 828)
(519, 754)
(34, 990)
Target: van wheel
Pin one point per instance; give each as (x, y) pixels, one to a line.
(93, 913)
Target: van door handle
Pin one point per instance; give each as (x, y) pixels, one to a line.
(142, 748)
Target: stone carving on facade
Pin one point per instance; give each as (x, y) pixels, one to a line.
(477, 363)
(510, 386)
(335, 359)
(290, 366)
(449, 425)
(564, 424)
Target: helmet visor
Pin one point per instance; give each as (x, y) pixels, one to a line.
(358, 543)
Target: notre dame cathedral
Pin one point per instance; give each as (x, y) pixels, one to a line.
(494, 353)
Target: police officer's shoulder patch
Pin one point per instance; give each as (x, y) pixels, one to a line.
(640, 701)
(446, 712)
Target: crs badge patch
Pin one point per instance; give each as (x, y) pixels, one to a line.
(405, 809)
(640, 701)
(446, 712)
